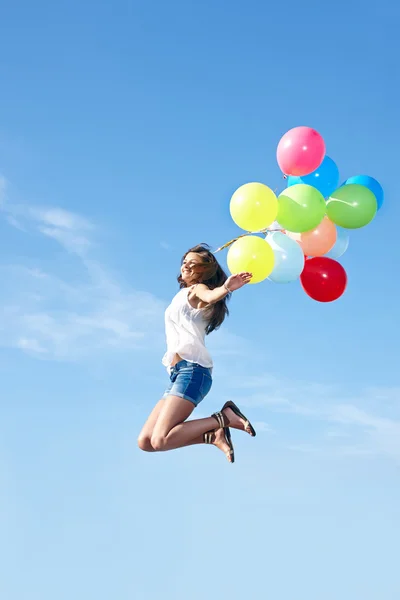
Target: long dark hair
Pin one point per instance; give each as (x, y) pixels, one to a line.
(213, 276)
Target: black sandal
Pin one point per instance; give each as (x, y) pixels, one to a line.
(237, 412)
(228, 439)
(209, 438)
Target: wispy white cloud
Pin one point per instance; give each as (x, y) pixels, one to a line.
(30, 345)
(382, 432)
(72, 312)
(72, 241)
(15, 223)
(69, 229)
(339, 422)
(59, 218)
(58, 319)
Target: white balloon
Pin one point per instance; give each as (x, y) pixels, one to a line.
(289, 258)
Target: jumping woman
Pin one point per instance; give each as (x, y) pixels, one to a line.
(196, 310)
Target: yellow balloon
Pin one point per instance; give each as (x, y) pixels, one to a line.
(252, 254)
(254, 206)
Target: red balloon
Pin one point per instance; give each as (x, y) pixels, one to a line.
(323, 279)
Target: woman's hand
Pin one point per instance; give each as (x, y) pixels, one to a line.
(234, 282)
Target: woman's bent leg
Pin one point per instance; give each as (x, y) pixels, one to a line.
(218, 439)
(172, 431)
(144, 439)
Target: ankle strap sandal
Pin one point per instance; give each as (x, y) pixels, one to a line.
(221, 419)
(209, 438)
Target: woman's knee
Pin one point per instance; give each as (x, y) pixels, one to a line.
(144, 443)
(158, 443)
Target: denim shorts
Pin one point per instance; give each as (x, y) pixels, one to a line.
(190, 381)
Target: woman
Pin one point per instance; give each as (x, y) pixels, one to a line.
(197, 309)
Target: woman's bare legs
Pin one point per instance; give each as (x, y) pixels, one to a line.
(151, 439)
(144, 440)
(173, 431)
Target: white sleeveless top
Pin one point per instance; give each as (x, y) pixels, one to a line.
(185, 330)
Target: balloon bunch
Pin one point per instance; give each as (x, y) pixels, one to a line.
(306, 224)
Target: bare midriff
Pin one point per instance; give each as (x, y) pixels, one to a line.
(176, 359)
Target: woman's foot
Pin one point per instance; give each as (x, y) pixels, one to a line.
(236, 422)
(220, 442)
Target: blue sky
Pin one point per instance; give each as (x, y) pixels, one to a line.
(125, 127)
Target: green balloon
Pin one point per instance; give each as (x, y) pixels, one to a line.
(301, 207)
(352, 206)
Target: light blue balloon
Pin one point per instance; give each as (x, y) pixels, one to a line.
(369, 182)
(289, 258)
(341, 244)
(325, 178)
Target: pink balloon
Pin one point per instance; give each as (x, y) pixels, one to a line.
(300, 151)
(318, 241)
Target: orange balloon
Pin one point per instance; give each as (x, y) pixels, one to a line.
(318, 241)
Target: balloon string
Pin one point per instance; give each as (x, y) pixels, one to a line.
(266, 230)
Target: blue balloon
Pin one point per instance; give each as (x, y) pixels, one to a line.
(369, 182)
(325, 178)
(289, 258)
(341, 244)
